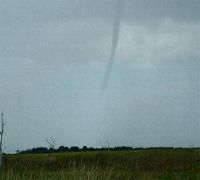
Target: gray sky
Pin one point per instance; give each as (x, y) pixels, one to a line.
(53, 57)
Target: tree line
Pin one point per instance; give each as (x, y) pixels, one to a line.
(85, 149)
(70, 149)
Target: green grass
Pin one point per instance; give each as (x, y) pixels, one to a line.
(143, 164)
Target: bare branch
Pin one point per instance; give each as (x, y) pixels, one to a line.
(108, 145)
(51, 143)
(101, 144)
(1, 135)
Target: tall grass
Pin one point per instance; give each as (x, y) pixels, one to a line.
(145, 164)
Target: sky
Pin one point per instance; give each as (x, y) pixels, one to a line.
(53, 60)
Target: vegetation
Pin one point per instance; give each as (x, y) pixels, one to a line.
(85, 148)
(75, 149)
(104, 165)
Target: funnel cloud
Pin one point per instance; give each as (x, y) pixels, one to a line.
(115, 39)
(54, 56)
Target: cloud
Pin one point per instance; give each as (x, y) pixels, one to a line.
(65, 33)
(152, 12)
(170, 43)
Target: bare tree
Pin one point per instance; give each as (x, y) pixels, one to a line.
(101, 144)
(108, 145)
(51, 143)
(105, 146)
(1, 135)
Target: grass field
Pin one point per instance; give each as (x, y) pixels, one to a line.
(141, 164)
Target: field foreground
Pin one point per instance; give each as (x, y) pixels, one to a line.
(141, 164)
